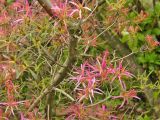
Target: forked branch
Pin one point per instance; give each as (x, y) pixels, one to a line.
(67, 66)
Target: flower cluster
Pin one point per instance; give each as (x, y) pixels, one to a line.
(8, 75)
(76, 111)
(126, 95)
(65, 9)
(13, 14)
(151, 42)
(89, 79)
(90, 76)
(83, 113)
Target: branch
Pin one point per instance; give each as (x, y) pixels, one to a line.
(62, 73)
(154, 3)
(53, 58)
(101, 2)
(67, 66)
(138, 5)
(47, 5)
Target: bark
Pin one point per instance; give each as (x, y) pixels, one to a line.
(47, 5)
(66, 67)
(62, 73)
(138, 5)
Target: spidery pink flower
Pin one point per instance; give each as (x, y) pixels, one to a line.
(104, 114)
(90, 77)
(76, 111)
(79, 7)
(126, 95)
(119, 72)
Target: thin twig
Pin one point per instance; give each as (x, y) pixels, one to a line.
(124, 57)
(47, 5)
(50, 57)
(87, 47)
(64, 93)
(102, 101)
(61, 74)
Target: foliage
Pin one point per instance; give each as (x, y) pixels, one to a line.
(60, 65)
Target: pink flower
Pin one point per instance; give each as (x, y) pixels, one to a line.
(120, 71)
(89, 77)
(79, 8)
(76, 111)
(86, 82)
(20, 6)
(2, 32)
(12, 104)
(27, 8)
(2, 1)
(22, 116)
(62, 9)
(126, 96)
(88, 90)
(4, 18)
(80, 73)
(102, 68)
(105, 55)
(16, 6)
(151, 42)
(104, 114)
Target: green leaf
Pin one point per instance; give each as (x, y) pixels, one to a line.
(147, 21)
(140, 36)
(157, 8)
(157, 62)
(151, 58)
(141, 59)
(156, 31)
(64, 93)
(133, 44)
(146, 117)
(125, 38)
(156, 94)
(132, 15)
(140, 118)
(9, 1)
(33, 74)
